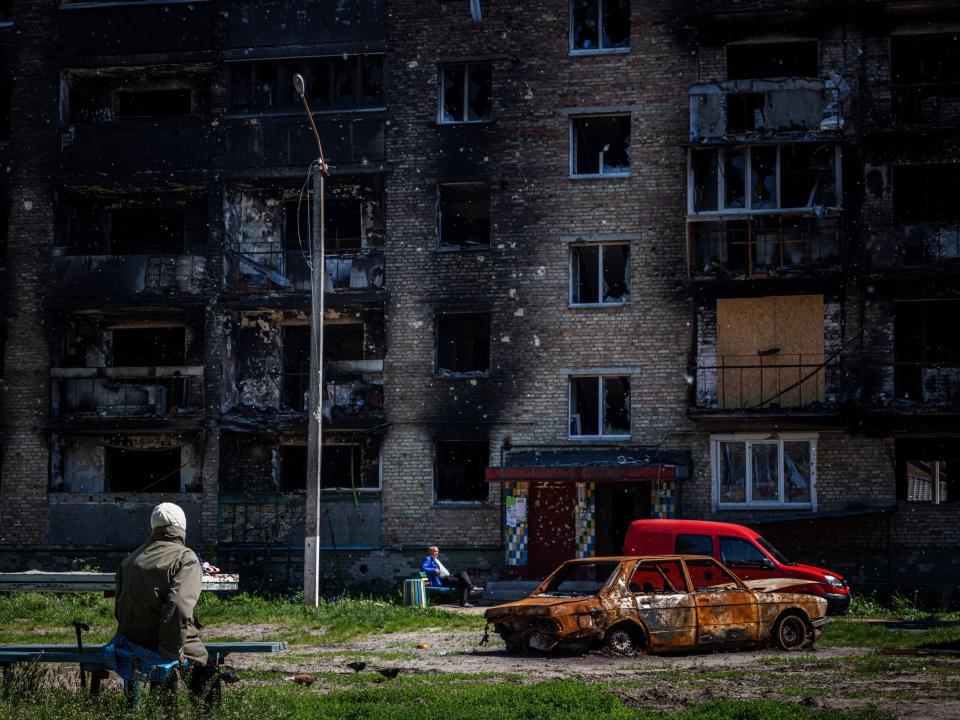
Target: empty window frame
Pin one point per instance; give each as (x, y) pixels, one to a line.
(764, 472)
(463, 215)
(463, 344)
(295, 383)
(926, 350)
(764, 178)
(925, 78)
(154, 470)
(6, 92)
(600, 273)
(927, 470)
(147, 231)
(332, 83)
(148, 347)
(342, 468)
(162, 102)
(599, 26)
(754, 61)
(599, 406)
(600, 145)
(465, 93)
(926, 193)
(461, 470)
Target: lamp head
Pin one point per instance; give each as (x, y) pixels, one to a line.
(299, 85)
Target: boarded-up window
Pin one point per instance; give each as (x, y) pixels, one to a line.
(770, 351)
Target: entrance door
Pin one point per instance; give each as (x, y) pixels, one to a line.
(552, 527)
(618, 505)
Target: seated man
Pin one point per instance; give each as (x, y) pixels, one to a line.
(439, 576)
(158, 585)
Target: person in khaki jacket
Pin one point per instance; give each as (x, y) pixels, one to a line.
(158, 585)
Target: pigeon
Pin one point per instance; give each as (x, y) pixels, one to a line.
(229, 675)
(389, 673)
(301, 679)
(357, 666)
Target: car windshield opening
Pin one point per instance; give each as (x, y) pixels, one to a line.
(780, 557)
(580, 579)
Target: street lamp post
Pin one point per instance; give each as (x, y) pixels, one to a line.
(311, 541)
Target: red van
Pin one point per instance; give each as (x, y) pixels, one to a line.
(739, 548)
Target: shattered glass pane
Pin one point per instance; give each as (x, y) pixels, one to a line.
(585, 31)
(478, 92)
(733, 472)
(705, 238)
(808, 175)
(454, 78)
(616, 273)
(464, 215)
(601, 145)
(764, 475)
(736, 246)
(766, 244)
(616, 24)
(763, 178)
(585, 271)
(734, 171)
(705, 178)
(796, 471)
(584, 406)
(616, 406)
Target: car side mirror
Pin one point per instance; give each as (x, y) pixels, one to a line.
(768, 564)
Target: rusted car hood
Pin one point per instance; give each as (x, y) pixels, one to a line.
(774, 584)
(534, 605)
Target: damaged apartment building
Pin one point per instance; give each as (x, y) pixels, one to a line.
(587, 261)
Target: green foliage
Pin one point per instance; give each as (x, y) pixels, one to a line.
(854, 633)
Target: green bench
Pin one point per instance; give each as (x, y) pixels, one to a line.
(438, 592)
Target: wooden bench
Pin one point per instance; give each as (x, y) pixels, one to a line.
(70, 582)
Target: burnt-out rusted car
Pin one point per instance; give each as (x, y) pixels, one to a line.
(657, 604)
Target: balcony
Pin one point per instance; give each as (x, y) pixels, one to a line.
(287, 271)
(126, 392)
(128, 276)
(273, 23)
(743, 109)
(763, 246)
(149, 146)
(94, 29)
(353, 391)
(926, 246)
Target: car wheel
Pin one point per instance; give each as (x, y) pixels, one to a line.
(790, 632)
(622, 640)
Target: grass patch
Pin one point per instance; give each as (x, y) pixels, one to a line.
(852, 633)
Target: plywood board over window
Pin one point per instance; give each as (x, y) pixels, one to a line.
(770, 351)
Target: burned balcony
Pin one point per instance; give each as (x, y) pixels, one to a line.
(135, 146)
(274, 23)
(288, 271)
(128, 276)
(112, 392)
(353, 391)
(798, 106)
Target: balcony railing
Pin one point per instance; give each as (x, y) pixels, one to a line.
(128, 275)
(342, 396)
(773, 382)
(127, 391)
(287, 271)
(763, 246)
(914, 245)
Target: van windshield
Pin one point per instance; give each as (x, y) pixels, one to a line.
(780, 557)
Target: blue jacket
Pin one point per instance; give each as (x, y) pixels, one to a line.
(432, 569)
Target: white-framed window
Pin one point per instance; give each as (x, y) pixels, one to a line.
(764, 178)
(599, 273)
(764, 471)
(599, 406)
(466, 93)
(598, 26)
(600, 145)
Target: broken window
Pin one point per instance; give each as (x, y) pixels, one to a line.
(343, 219)
(926, 193)
(295, 386)
(925, 75)
(774, 472)
(753, 61)
(154, 470)
(598, 25)
(6, 90)
(927, 352)
(332, 83)
(6, 12)
(465, 92)
(342, 468)
(765, 177)
(464, 215)
(599, 406)
(293, 468)
(342, 342)
(461, 470)
(463, 343)
(148, 347)
(4, 231)
(147, 231)
(154, 103)
(599, 274)
(744, 112)
(600, 145)
(709, 576)
(927, 470)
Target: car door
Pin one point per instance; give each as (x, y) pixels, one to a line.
(745, 559)
(664, 605)
(727, 613)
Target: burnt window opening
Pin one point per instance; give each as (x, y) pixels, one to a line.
(6, 12)
(925, 77)
(4, 231)
(928, 470)
(147, 231)
(464, 215)
(295, 385)
(148, 347)
(600, 406)
(926, 193)
(754, 61)
(154, 103)
(6, 92)
(599, 274)
(461, 470)
(332, 83)
(463, 343)
(745, 112)
(599, 25)
(465, 92)
(3, 346)
(293, 468)
(154, 470)
(342, 468)
(343, 225)
(343, 342)
(600, 145)
(926, 351)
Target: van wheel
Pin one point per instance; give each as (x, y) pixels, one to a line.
(622, 640)
(790, 632)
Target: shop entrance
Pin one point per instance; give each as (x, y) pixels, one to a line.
(618, 505)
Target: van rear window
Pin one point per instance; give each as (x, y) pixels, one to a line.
(694, 545)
